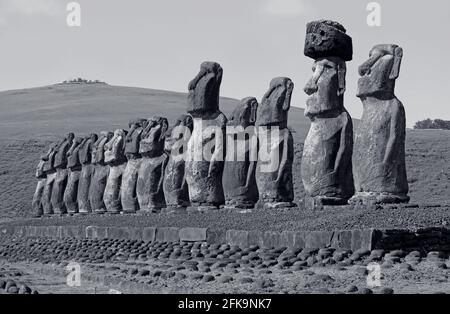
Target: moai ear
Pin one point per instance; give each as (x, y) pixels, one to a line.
(395, 71)
(164, 128)
(287, 99)
(253, 111)
(342, 69)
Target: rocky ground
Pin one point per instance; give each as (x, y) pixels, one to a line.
(131, 266)
(296, 219)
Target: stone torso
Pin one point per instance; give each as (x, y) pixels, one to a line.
(205, 186)
(372, 173)
(320, 151)
(274, 170)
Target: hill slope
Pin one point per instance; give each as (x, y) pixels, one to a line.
(81, 108)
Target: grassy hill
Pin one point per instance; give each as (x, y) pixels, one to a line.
(31, 118)
(82, 108)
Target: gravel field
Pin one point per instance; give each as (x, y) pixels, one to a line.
(328, 219)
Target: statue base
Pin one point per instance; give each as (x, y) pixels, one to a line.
(375, 198)
(174, 209)
(274, 205)
(202, 208)
(319, 201)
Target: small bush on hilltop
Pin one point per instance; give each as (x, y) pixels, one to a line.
(436, 124)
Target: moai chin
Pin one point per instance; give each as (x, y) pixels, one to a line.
(60, 183)
(42, 170)
(149, 187)
(128, 193)
(100, 173)
(239, 181)
(115, 158)
(276, 147)
(74, 168)
(327, 153)
(175, 186)
(87, 169)
(379, 158)
(206, 147)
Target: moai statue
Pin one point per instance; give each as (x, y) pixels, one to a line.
(60, 164)
(206, 147)
(239, 180)
(87, 169)
(41, 175)
(175, 186)
(50, 172)
(276, 147)
(74, 166)
(100, 174)
(128, 194)
(327, 154)
(149, 187)
(115, 158)
(379, 158)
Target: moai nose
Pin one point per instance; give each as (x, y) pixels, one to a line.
(310, 88)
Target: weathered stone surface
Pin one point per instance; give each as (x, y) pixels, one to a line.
(97, 187)
(128, 193)
(36, 204)
(84, 183)
(206, 147)
(327, 154)
(379, 157)
(239, 181)
(193, 234)
(59, 187)
(169, 234)
(149, 187)
(85, 156)
(74, 170)
(149, 234)
(61, 151)
(71, 191)
(100, 174)
(47, 194)
(115, 158)
(175, 187)
(127, 233)
(276, 146)
(327, 38)
(95, 232)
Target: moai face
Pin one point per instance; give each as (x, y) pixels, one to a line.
(276, 103)
(179, 134)
(114, 148)
(379, 72)
(204, 90)
(326, 86)
(98, 149)
(245, 113)
(153, 137)
(72, 155)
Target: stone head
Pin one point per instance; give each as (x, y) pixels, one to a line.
(379, 72)
(245, 113)
(136, 123)
(326, 87)
(204, 89)
(70, 136)
(153, 136)
(93, 137)
(180, 131)
(276, 103)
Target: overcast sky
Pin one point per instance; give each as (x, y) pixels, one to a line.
(161, 43)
